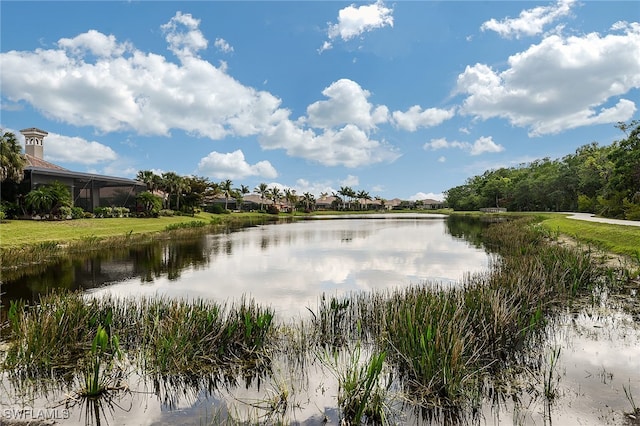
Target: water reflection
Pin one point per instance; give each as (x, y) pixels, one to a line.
(287, 265)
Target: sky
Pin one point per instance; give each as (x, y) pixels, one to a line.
(403, 99)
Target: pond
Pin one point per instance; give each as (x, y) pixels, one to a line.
(590, 355)
(285, 265)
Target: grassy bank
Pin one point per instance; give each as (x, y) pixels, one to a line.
(443, 348)
(619, 239)
(28, 241)
(19, 233)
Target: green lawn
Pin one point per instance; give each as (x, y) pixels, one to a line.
(618, 239)
(16, 233)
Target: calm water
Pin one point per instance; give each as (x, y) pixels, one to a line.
(288, 266)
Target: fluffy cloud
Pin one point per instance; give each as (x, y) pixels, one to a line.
(183, 35)
(75, 150)
(531, 21)
(223, 46)
(90, 79)
(347, 104)
(416, 117)
(234, 166)
(354, 21)
(482, 145)
(348, 146)
(428, 195)
(560, 83)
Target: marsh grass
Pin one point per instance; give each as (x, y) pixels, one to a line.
(443, 342)
(165, 336)
(442, 346)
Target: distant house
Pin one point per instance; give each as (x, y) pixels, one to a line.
(327, 203)
(88, 190)
(429, 203)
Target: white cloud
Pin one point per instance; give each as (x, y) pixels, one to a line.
(416, 117)
(142, 92)
(75, 150)
(485, 144)
(325, 46)
(119, 88)
(348, 146)
(95, 43)
(223, 45)
(531, 21)
(347, 104)
(354, 21)
(315, 188)
(442, 159)
(560, 83)
(233, 166)
(183, 35)
(428, 195)
(350, 180)
(482, 145)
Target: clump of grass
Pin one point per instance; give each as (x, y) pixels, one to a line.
(362, 394)
(166, 336)
(443, 342)
(185, 225)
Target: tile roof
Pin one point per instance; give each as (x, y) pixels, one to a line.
(40, 163)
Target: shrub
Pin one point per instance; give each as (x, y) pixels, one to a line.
(166, 212)
(101, 211)
(272, 210)
(77, 212)
(64, 212)
(215, 209)
(631, 210)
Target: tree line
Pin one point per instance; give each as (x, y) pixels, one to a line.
(604, 180)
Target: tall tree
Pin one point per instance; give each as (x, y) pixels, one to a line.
(308, 200)
(12, 161)
(363, 196)
(263, 190)
(169, 185)
(275, 194)
(226, 186)
(291, 197)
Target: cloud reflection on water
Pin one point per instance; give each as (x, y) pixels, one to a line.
(288, 266)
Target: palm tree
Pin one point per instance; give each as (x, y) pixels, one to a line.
(182, 186)
(48, 199)
(291, 197)
(347, 192)
(337, 201)
(146, 176)
(169, 185)
(12, 161)
(308, 200)
(151, 203)
(363, 195)
(275, 194)
(38, 200)
(226, 186)
(263, 190)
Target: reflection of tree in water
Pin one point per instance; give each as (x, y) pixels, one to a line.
(97, 269)
(466, 228)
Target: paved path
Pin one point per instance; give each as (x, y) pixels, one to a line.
(591, 218)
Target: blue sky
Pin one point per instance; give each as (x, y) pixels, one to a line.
(401, 99)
